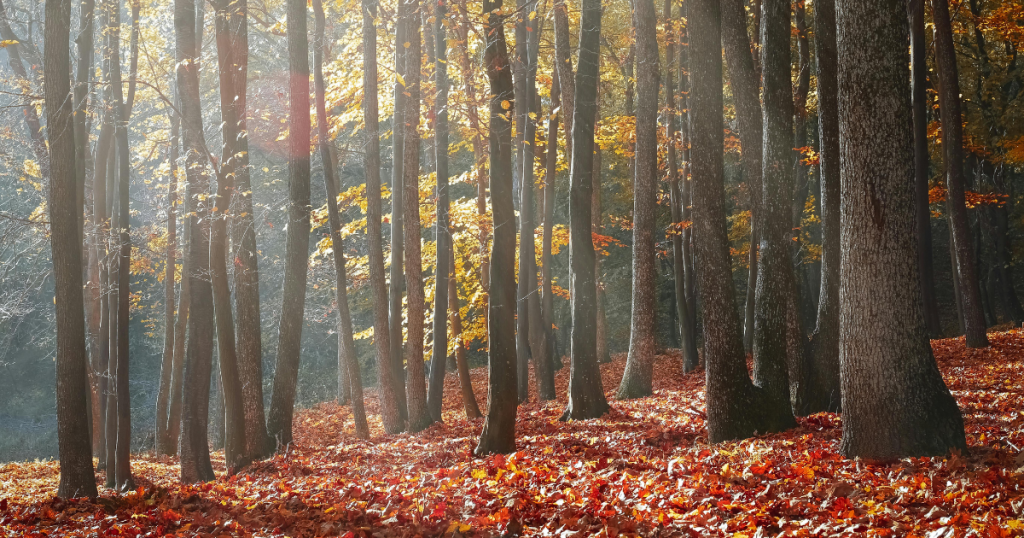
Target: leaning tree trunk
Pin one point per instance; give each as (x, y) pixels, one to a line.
(895, 403)
(194, 448)
(637, 378)
(347, 360)
(397, 214)
(465, 382)
(966, 270)
(821, 373)
(586, 395)
(416, 390)
(371, 164)
(76, 472)
(442, 232)
(289, 347)
(499, 432)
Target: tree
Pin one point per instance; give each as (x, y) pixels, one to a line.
(499, 432)
(346, 347)
(465, 383)
(381, 340)
(636, 380)
(76, 473)
(163, 397)
(282, 402)
(544, 371)
(966, 272)
(821, 373)
(586, 396)
(442, 233)
(564, 68)
(397, 215)
(895, 403)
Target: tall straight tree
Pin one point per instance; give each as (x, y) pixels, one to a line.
(442, 234)
(586, 395)
(953, 148)
(743, 79)
(499, 432)
(735, 405)
(416, 390)
(895, 403)
(637, 378)
(821, 373)
(169, 444)
(775, 280)
(371, 164)
(691, 360)
(397, 283)
(289, 347)
(167, 362)
(564, 70)
(194, 446)
(922, 219)
(803, 84)
(76, 473)
(346, 346)
(545, 371)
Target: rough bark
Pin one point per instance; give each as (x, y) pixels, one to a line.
(952, 145)
(637, 378)
(586, 395)
(76, 472)
(289, 347)
(895, 403)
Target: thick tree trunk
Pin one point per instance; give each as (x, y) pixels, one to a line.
(347, 360)
(76, 472)
(371, 164)
(821, 373)
(895, 403)
(194, 448)
(397, 209)
(289, 348)
(586, 395)
(416, 389)
(637, 378)
(499, 432)
(167, 363)
(442, 232)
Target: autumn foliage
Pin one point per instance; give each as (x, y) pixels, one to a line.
(644, 469)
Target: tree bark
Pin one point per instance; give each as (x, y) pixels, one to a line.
(803, 84)
(895, 403)
(586, 395)
(167, 362)
(544, 370)
(952, 143)
(564, 68)
(381, 340)
(499, 431)
(465, 382)
(691, 361)
(289, 347)
(398, 133)
(76, 472)
(170, 442)
(637, 378)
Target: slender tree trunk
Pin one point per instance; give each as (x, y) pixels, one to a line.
(416, 389)
(1003, 253)
(170, 441)
(167, 363)
(32, 124)
(690, 361)
(76, 472)
(194, 446)
(952, 144)
(83, 71)
(442, 232)
(803, 84)
(347, 360)
(821, 373)
(371, 164)
(895, 403)
(637, 378)
(397, 209)
(919, 84)
(289, 348)
(114, 263)
(499, 432)
(525, 128)
(601, 329)
(544, 370)
(564, 68)
(465, 383)
(586, 395)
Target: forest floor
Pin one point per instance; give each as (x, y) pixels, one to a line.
(644, 469)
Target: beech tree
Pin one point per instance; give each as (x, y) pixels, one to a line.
(895, 403)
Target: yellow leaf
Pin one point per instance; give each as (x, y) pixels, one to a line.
(505, 104)
(7, 43)
(400, 79)
(479, 474)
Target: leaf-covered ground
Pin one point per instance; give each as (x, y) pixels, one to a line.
(645, 469)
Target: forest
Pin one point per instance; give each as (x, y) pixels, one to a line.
(351, 268)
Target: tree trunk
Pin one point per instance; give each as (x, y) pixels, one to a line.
(76, 472)
(586, 395)
(922, 219)
(1003, 253)
(544, 369)
(743, 78)
(526, 130)
(194, 448)
(371, 164)
(499, 432)
(465, 383)
(601, 329)
(113, 260)
(416, 389)
(895, 403)
(566, 77)
(347, 360)
(637, 378)
(803, 84)
(690, 361)
(442, 231)
(821, 373)
(170, 441)
(397, 209)
(167, 362)
(289, 348)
